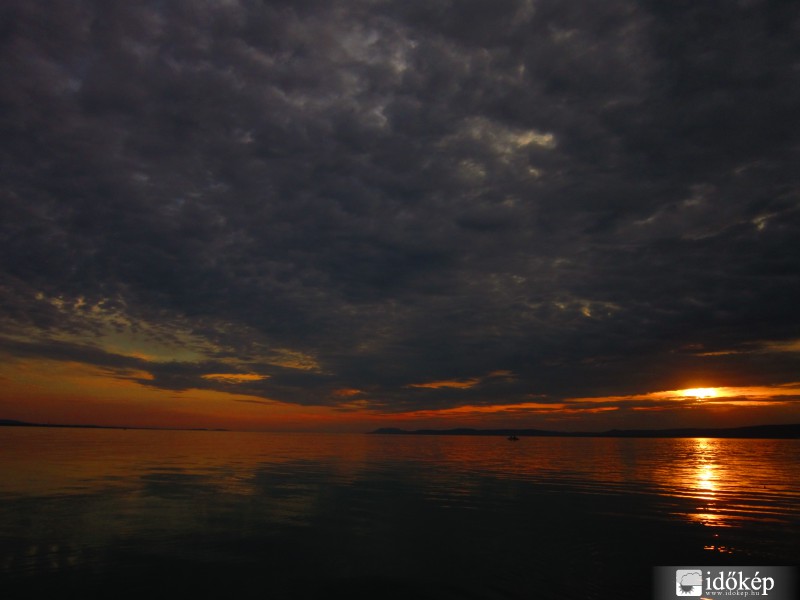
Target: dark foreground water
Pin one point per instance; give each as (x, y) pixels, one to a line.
(311, 516)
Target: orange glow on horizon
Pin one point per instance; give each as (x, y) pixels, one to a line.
(53, 391)
(709, 392)
(719, 394)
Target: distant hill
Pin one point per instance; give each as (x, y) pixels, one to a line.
(791, 431)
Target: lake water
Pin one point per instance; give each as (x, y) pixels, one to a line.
(310, 516)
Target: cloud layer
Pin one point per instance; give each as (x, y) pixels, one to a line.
(354, 201)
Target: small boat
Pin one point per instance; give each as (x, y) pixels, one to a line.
(513, 438)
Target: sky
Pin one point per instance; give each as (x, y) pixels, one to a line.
(334, 215)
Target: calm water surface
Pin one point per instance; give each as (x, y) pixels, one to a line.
(307, 515)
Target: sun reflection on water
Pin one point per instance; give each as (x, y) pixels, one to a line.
(705, 479)
(707, 470)
(706, 482)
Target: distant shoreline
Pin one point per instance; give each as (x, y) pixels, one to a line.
(13, 423)
(791, 431)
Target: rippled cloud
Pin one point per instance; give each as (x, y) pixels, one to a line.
(378, 205)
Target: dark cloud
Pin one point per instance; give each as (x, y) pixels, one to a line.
(370, 195)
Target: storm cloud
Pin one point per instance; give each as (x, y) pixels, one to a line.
(353, 199)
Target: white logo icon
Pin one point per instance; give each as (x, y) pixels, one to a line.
(688, 582)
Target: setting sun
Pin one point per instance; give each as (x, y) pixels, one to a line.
(701, 393)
